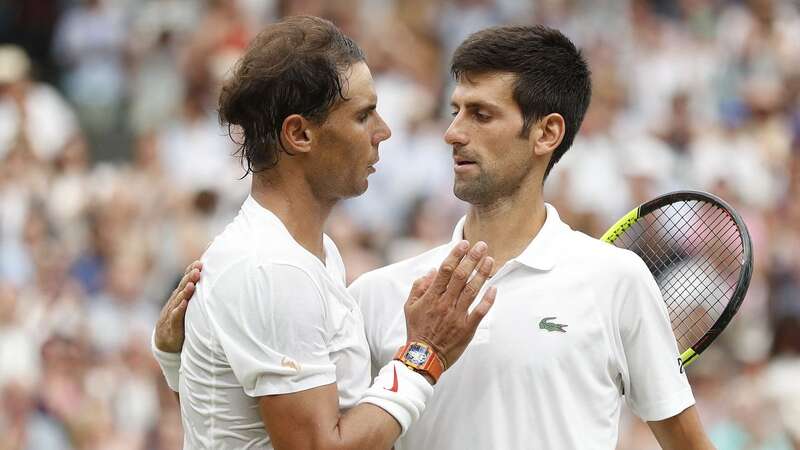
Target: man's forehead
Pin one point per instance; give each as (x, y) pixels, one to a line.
(358, 83)
(358, 80)
(358, 90)
(486, 87)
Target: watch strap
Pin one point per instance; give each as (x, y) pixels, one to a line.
(433, 366)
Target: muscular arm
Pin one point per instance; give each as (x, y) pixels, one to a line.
(310, 420)
(681, 432)
(437, 312)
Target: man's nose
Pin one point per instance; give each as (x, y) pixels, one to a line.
(383, 132)
(455, 134)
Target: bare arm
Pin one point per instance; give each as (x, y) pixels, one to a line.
(310, 420)
(681, 432)
(436, 311)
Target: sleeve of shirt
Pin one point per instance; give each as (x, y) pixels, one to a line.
(655, 386)
(270, 321)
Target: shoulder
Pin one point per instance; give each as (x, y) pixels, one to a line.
(242, 269)
(262, 293)
(255, 271)
(243, 251)
(619, 273)
(602, 260)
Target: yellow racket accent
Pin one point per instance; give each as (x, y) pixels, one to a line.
(688, 357)
(621, 226)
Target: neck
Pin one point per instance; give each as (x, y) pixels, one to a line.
(302, 213)
(507, 225)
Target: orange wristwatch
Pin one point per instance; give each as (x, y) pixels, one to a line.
(421, 357)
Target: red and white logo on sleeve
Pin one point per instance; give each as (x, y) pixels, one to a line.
(394, 384)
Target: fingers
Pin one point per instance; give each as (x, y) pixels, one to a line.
(464, 270)
(187, 277)
(480, 311)
(196, 264)
(182, 301)
(187, 282)
(186, 293)
(448, 267)
(194, 276)
(474, 286)
(179, 312)
(420, 286)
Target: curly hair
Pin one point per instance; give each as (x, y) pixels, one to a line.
(294, 66)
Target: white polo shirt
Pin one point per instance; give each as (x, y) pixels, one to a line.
(523, 383)
(268, 317)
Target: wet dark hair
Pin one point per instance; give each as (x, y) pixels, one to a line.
(552, 74)
(294, 66)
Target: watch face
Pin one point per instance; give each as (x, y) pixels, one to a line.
(417, 354)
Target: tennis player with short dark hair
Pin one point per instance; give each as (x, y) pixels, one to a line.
(578, 324)
(275, 354)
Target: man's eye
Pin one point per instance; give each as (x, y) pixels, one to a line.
(454, 113)
(363, 117)
(482, 117)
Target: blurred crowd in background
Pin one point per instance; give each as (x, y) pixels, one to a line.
(115, 174)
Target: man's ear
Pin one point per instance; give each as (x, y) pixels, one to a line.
(296, 134)
(547, 134)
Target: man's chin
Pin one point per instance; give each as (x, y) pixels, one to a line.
(463, 193)
(355, 191)
(361, 189)
(470, 193)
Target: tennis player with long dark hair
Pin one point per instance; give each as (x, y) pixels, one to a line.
(274, 354)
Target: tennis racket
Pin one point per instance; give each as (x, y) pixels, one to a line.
(698, 249)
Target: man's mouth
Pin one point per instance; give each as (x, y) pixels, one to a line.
(461, 161)
(463, 165)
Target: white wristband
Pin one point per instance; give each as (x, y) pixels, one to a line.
(170, 364)
(401, 392)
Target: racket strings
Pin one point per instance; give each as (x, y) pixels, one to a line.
(689, 320)
(703, 280)
(694, 251)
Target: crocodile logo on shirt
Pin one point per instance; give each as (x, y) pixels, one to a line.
(545, 324)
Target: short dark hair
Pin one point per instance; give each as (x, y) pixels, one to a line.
(294, 66)
(552, 74)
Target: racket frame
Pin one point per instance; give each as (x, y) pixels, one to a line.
(628, 220)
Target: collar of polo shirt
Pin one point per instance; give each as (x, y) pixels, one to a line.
(542, 252)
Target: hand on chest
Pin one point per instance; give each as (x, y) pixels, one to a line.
(533, 324)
